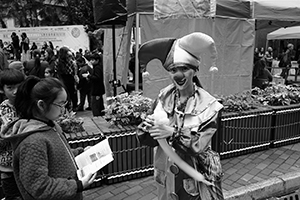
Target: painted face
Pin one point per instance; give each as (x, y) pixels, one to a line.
(57, 108)
(10, 92)
(182, 77)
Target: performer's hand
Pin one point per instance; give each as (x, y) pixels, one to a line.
(147, 123)
(161, 131)
(202, 179)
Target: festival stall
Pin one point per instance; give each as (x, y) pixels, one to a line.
(289, 35)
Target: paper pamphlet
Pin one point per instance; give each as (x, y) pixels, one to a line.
(95, 158)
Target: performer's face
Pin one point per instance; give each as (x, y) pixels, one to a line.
(182, 77)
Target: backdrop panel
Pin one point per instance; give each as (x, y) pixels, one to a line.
(234, 41)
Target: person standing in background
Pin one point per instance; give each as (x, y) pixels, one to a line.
(261, 52)
(3, 65)
(10, 79)
(97, 84)
(67, 72)
(51, 58)
(84, 87)
(3, 59)
(32, 48)
(16, 46)
(50, 45)
(269, 58)
(36, 66)
(25, 47)
(286, 59)
(256, 57)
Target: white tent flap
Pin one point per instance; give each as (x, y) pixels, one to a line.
(284, 10)
(285, 33)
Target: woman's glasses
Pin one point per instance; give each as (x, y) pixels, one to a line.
(62, 106)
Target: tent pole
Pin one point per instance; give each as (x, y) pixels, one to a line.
(114, 60)
(137, 43)
(212, 72)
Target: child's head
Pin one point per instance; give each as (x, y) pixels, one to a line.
(43, 99)
(10, 79)
(95, 58)
(49, 72)
(18, 65)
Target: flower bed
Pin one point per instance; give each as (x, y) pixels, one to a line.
(70, 123)
(127, 109)
(256, 119)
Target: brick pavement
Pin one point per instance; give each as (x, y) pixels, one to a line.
(238, 171)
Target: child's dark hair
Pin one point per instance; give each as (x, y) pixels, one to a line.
(34, 89)
(11, 77)
(52, 71)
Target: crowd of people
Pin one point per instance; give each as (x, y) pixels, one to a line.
(263, 64)
(63, 63)
(37, 86)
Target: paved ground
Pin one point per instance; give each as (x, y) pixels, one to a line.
(239, 171)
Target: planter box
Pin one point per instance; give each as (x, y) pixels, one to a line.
(130, 159)
(246, 132)
(286, 125)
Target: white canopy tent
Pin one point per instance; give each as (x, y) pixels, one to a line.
(285, 33)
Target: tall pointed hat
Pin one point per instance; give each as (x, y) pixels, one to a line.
(174, 52)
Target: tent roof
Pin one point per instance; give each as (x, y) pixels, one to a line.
(285, 33)
(230, 8)
(285, 10)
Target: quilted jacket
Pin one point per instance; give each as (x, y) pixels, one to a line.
(43, 162)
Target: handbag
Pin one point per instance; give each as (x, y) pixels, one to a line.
(208, 161)
(211, 162)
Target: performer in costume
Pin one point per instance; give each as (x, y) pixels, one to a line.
(184, 119)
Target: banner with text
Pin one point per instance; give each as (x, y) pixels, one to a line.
(73, 37)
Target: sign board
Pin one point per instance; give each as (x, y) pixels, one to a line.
(73, 37)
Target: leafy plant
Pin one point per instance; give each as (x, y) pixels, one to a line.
(128, 108)
(274, 95)
(239, 102)
(278, 95)
(70, 123)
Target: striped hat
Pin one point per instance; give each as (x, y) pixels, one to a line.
(177, 52)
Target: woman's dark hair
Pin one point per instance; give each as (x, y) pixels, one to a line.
(37, 63)
(24, 35)
(11, 77)
(50, 54)
(52, 71)
(259, 67)
(34, 89)
(63, 53)
(51, 45)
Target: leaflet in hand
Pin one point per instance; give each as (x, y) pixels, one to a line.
(95, 158)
